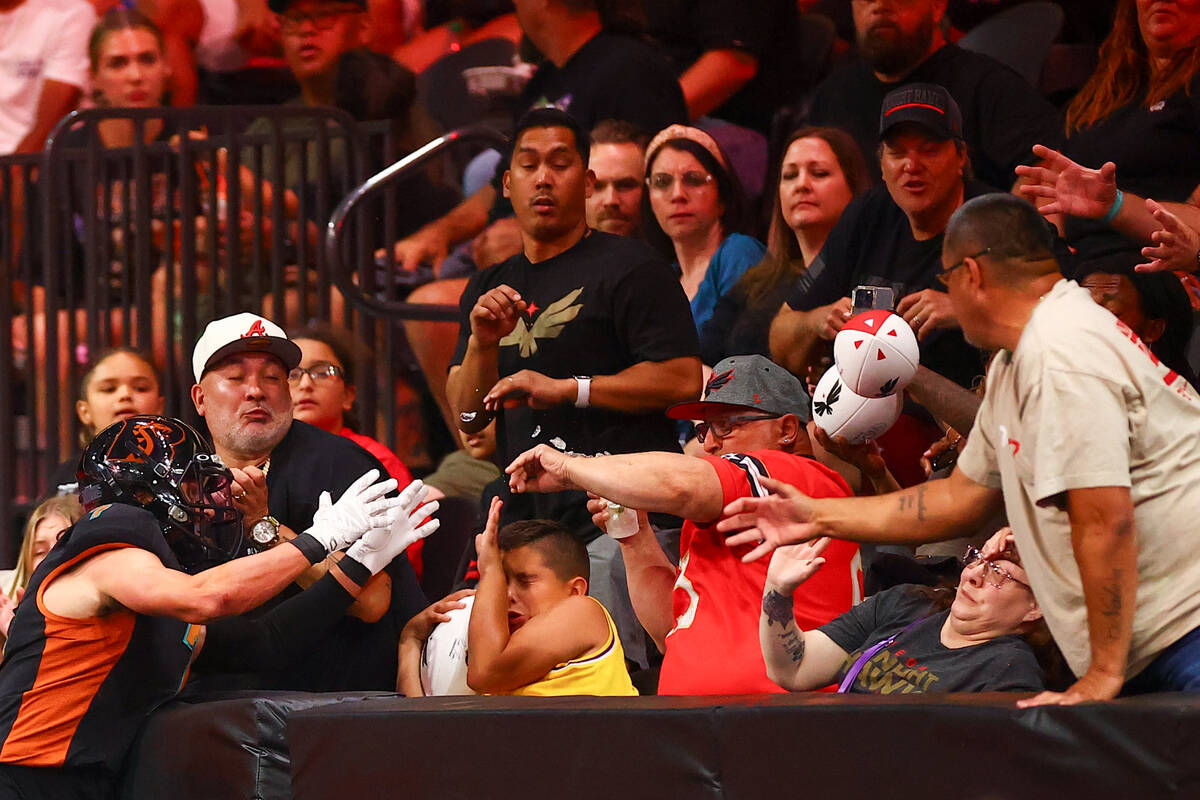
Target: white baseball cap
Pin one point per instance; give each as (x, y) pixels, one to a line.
(243, 332)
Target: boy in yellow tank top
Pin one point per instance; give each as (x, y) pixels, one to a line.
(534, 630)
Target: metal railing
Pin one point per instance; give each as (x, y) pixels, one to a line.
(204, 212)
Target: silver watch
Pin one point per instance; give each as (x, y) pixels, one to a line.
(265, 533)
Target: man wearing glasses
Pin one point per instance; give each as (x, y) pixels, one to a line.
(1092, 445)
(704, 615)
(281, 468)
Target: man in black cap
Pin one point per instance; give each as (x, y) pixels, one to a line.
(703, 614)
(892, 237)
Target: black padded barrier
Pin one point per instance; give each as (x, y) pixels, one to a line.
(976, 747)
(227, 745)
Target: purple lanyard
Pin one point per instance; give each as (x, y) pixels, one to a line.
(868, 654)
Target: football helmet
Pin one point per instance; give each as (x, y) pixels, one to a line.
(164, 466)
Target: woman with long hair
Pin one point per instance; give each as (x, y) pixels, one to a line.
(822, 169)
(47, 522)
(1131, 132)
(698, 210)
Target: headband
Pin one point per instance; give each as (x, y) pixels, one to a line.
(696, 135)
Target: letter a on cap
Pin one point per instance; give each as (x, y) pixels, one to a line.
(256, 329)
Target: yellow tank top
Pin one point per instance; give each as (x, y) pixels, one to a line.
(601, 672)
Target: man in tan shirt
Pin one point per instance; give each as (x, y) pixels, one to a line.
(1091, 443)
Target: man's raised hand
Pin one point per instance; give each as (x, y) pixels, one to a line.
(361, 507)
(407, 522)
(495, 315)
(542, 469)
(765, 523)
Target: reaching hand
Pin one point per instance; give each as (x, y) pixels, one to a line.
(927, 311)
(408, 522)
(1071, 188)
(998, 544)
(1176, 244)
(529, 388)
(542, 469)
(1091, 687)
(793, 564)
(495, 315)
(783, 517)
(422, 624)
(866, 456)
(487, 544)
(360, 508)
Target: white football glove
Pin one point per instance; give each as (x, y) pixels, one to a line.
(376, 549)
(360, 508)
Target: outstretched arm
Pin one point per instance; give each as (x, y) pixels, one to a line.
(929, 512)
(649, 574)
(797, 660)
(669, 483)
(1078, 191)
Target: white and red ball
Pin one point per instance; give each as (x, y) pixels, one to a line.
(444, 656)
(841, 412)
(876, 353)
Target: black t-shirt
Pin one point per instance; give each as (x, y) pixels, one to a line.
(872, 245)
(598, 308)
(686, 29)
(917, 661)
(1003, 116)
(356, 655)
(1156, 150)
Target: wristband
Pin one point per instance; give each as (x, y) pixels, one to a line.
(313, 550)
(583, 391)
(1116, 208)
(354, 570)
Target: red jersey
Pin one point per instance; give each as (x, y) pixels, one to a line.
(713, 648)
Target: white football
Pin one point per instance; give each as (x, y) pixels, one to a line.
(841, 412)
(444, 656)
(876, 353)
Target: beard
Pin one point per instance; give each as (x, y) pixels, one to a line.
(891, 52)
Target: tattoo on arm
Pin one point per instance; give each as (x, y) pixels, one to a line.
(778, 608)
(793, 644)
(914, 500)
(1111, 605)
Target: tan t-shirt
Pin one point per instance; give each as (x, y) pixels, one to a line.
(1082, 403)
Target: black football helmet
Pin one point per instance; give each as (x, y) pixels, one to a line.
(164, 466)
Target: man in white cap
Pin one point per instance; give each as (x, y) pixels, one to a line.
(281, 467)
(702, 615)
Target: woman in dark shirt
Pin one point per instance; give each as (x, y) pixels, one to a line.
(902, 641)
(821, 171)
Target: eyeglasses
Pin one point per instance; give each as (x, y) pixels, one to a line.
(322, 19)
(319, 372)
(993, 573)
(722, 428)
(663, 181)
(944, 276)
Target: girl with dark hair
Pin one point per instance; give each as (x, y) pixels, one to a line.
(822, 169)
(698, 213)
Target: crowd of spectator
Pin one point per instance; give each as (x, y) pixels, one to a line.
(649, 279)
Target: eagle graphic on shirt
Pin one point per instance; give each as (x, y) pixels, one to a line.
(548, 325)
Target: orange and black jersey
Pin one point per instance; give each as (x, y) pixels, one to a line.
(74, 692)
